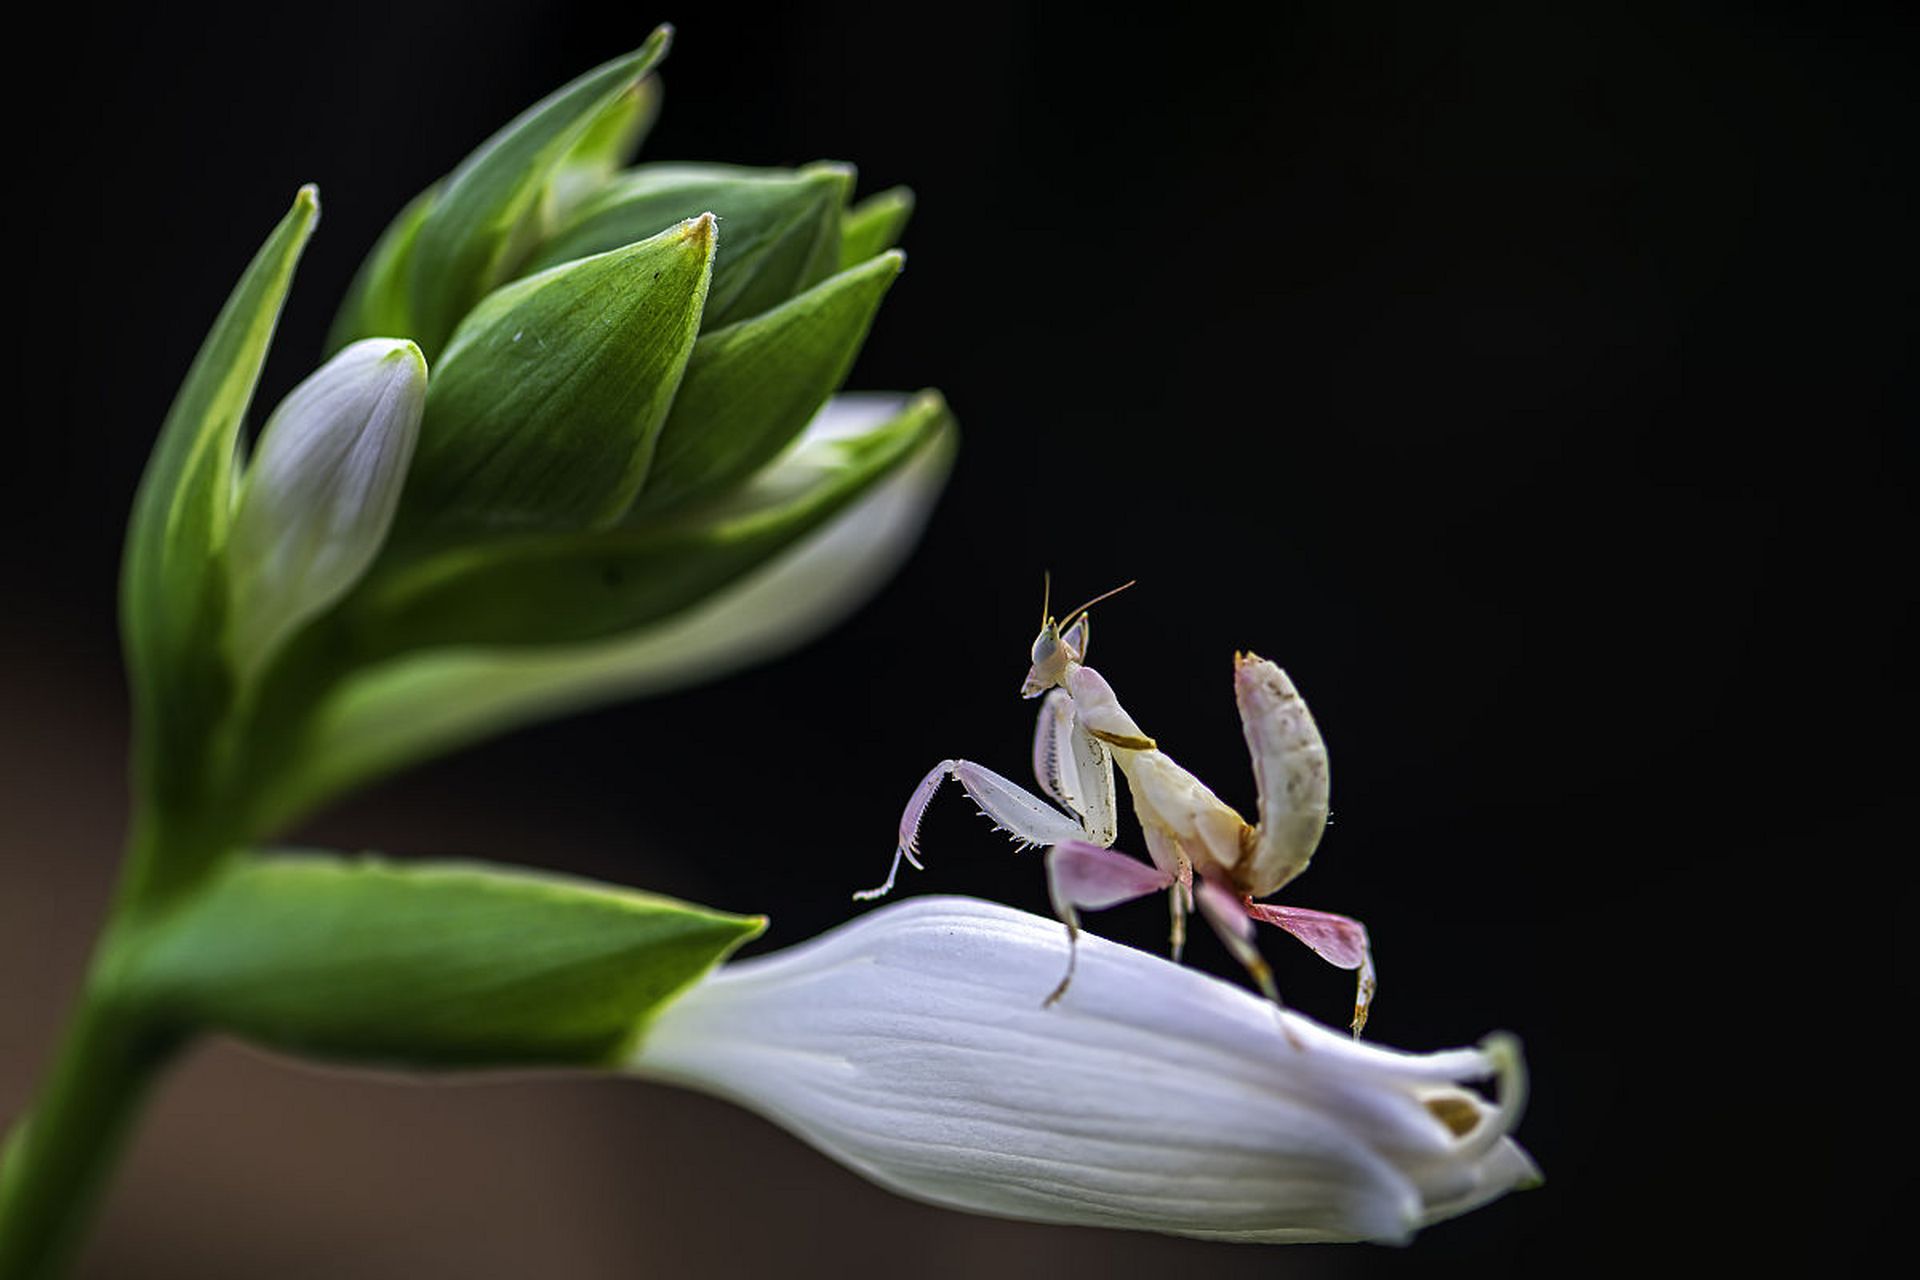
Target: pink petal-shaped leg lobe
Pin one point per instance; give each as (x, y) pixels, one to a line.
(1083, 876)
(1338, 940)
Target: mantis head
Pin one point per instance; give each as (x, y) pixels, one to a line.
(1061, 644)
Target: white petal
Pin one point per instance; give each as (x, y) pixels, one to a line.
(913, 1046)
(316, 502)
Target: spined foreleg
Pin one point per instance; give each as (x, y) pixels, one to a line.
(1012, 809)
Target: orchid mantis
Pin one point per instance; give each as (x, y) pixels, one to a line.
(1203, 852)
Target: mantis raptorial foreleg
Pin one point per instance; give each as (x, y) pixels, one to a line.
(1076, 769)
(1009, 806)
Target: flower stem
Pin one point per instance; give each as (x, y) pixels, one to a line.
(58, 1155)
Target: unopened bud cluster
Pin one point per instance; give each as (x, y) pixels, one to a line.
(568, 404)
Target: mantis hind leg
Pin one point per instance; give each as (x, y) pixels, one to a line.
(1338, 940)
(1229, 917)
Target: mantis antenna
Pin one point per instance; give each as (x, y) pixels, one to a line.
(1067, 621)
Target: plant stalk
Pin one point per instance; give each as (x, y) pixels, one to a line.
(59, 1154)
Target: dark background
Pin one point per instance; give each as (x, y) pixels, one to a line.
(1522, 377)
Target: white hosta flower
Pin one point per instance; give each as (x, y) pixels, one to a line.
(319, 496)
(912, 1046)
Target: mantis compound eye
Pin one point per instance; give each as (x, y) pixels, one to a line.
(1045, 645)
(1076, 637)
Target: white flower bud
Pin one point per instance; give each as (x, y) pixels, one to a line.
(317, 500)
(912, 1045)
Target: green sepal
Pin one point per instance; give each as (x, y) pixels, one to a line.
(421, 965)
(172, 591)
(751, 387)
(569, 588)
(609, 142)
(469, 243)
(543, 412)
(779, 229)
(874, 225)
(377, 305)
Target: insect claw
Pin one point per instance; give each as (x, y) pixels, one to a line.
(1286, 1029)
(1073, 955)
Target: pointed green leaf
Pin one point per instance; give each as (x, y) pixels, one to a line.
(467, 243)
(751, 387)
(423, 964)
(567, 588)
(377, 305)
(609, 142)
(779, 229)
(874, 225)
(412, 708)
(543, 412)
(172, 596)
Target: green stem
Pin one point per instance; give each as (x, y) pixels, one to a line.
(58, 1155)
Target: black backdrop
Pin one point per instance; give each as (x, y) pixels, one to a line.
(1522, 377)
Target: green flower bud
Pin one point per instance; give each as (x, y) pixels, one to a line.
(487, 213)
(780, 229)
(609, 142)
(319, 496)
(376, 301)
(563, 588)
(630, 469)
(544, 410)
(755, 577)
(874, 225)
(751, 387)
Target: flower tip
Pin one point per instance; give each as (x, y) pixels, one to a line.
(929, 402)
(307, 201)
(404, 352)
(836, 177)
(1509, 1068)
(700, 232)
(399, 358)
(409, 350)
